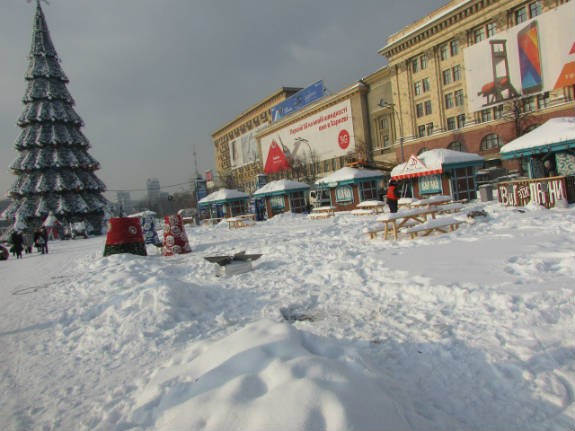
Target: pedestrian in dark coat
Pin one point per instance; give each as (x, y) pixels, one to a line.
(28, 236)
(17, 243)
(392, 196)
(40, 242)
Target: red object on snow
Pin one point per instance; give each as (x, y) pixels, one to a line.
(125, 236)
(123, 230)
(175, 238)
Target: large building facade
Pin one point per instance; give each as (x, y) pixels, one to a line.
(471, 76)
(474, 75)
(238, 154)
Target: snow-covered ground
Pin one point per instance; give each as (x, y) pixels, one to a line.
(330, 330)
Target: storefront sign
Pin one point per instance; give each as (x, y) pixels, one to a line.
(344, 194)
(543, 191)
(430, 184)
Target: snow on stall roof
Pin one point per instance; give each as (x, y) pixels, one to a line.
(347, 173)
(222, 195)
(437, 158)
(553, 131)
(281, 186)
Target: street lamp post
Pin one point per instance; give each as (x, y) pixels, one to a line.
(384, 104)
(305, 141)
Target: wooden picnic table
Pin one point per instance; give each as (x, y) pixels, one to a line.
(322, 212)
(211, 221)
(377, 206)
(439, 225)
(432, 201)
(405, 202)
(394, 221)
(243, 220)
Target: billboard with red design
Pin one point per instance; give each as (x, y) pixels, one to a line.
(530, 58)
(326, 134)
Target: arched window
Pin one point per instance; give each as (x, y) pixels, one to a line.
(456, 146)
(490, 142)
(422, 150)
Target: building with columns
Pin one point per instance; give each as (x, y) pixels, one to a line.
(472, 76)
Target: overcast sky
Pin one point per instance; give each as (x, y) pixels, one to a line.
(154, 78)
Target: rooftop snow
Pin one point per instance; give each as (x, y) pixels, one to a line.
(554, 131)
(281, 186)
(222, 195)
(435, 160)
(347, 173)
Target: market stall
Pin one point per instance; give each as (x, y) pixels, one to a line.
(440, 172)
(350, 186)
(225, 203)
(549, 153)
(283, 196)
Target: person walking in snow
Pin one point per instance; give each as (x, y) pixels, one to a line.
(392, 196)
(40, 241)
(17, 241)
(28, 242)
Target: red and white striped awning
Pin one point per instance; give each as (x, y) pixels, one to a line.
(414, 167)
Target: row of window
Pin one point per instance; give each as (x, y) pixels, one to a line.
(482, 32)
(419, 63)
(528, 11)
(423, 108)
(489, 142)
(450, 49)
(451, 75)
(457, 122)
(454, 99)
(528, 104)
(421, 87)
(425, 130)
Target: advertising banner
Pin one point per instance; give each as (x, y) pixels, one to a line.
(201, 189)
(298, 100)
(244, 149)
(327, 134)
(535, 56)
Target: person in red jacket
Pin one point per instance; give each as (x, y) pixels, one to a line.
(392, 196)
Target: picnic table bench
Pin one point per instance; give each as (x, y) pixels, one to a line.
(244, 220)
(431, 201)
(450, 208)
(322, 212)
(377, 206)
(439, 225)
(211, 221)
(361, 212)
(392, 222)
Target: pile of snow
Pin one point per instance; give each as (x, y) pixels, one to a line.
(329, 330)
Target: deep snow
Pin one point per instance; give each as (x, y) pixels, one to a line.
(468, 330)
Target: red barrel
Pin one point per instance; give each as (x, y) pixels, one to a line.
(175, 238)
(125, 236)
